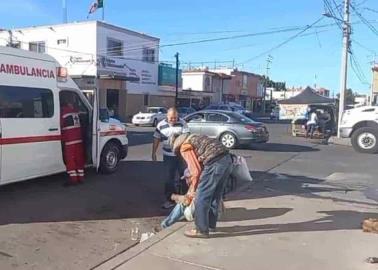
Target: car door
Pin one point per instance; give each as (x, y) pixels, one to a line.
(30, 137)
(214, 124)
(195, 122)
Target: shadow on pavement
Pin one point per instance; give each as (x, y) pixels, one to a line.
(281, 147)
(332, 220)
(134, 191)
(267, 184)
(270, 185)
(241, 213)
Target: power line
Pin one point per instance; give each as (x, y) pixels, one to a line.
(372, 10)
(365, 21)
(363, 46)
(356, 67)
(329, 9)
(139, 47)
(338, 8)
(284, 42)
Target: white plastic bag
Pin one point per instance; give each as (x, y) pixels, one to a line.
(189, 212)
(240, 172)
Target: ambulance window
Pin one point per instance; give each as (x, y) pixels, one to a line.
(25, 102)
(77, 102)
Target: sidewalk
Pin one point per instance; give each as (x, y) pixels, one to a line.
(268, 230)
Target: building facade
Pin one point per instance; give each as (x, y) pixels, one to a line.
(244, 87)
(121, 63)
(202, 87)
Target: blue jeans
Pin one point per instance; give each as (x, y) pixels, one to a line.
(176, 214)
(175, 169)
(311, 129)
(210, 189)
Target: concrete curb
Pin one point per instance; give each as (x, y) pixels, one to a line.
(340, 141)
(136, 250)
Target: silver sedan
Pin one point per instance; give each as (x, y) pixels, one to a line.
(231, 128)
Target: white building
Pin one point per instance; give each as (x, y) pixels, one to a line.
(123, 63)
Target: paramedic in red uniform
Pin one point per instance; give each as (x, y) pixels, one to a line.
(73, 147)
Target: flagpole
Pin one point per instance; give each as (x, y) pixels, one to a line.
(103, 11)
(64, 6)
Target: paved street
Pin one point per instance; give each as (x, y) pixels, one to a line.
(46, 226)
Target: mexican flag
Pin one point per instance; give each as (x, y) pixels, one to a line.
(96, 5)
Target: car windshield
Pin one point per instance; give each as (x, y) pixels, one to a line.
(152, 110)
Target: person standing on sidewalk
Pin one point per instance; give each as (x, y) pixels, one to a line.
(164, 129)
(200, 151)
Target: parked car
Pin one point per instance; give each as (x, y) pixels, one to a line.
(151, 116)
(184, 111)
(227, 107)
(231, 128)
(231, 107)
(361, 126)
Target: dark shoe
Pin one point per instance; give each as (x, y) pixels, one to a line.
(212, 230)
(193, 233)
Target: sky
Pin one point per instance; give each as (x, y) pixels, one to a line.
(300, 59)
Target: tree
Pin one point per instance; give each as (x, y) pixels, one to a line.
(349, 96)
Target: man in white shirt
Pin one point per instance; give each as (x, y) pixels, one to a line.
(164, 129)
(311, 124)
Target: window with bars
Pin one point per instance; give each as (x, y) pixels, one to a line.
(149, 55)
(37, 46)
(114, 47)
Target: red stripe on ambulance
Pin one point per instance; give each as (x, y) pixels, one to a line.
(35, 139)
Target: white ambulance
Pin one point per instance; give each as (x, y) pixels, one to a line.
(31, 86)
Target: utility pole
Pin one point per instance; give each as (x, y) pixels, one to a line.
(268, 61)
(177, 77)
(344, 63)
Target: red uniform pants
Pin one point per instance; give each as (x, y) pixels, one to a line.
(75, 161)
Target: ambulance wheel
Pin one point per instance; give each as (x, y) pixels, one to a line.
(109, 158)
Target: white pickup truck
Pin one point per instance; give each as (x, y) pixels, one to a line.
(361, 125)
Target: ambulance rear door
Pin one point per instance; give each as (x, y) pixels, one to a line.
(96, 131)
(31, 141)
(0, 146)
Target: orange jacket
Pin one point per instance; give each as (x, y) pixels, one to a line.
(195, 169)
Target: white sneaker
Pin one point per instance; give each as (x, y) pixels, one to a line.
(168, 204)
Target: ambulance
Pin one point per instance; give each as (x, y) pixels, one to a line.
(31, 88)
